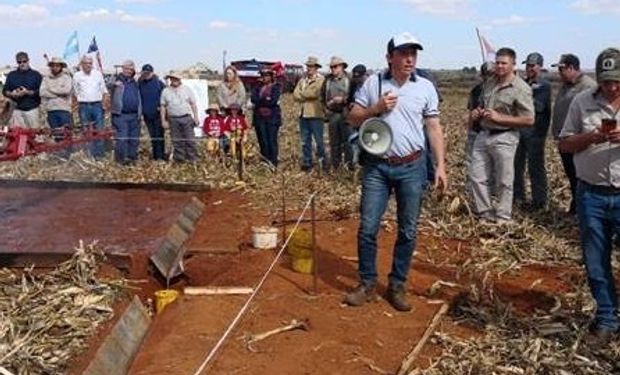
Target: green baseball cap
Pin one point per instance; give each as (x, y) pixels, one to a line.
(608, 65)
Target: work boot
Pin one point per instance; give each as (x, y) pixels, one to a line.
(397, 297)
(599, 337)
(360, 295)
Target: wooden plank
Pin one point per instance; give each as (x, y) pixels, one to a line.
(216, 290)
(115, 354)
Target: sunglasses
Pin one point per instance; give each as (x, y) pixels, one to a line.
(22, 61)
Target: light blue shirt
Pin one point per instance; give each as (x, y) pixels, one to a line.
(417, 100)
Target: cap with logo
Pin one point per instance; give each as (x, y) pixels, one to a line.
(534, 58)
(567, 59)
(147, 68)
(403, 40)
(608, 65)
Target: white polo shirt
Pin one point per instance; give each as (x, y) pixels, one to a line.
(89, 87)
(417, 100)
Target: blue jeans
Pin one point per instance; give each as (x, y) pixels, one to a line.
(599, 219)
(59, 120)
(91, 114)
(408, 181)
(312, 128)
(267, 133)
(156, 132)
(127, 126)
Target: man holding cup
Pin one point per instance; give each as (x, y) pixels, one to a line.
(590, 132)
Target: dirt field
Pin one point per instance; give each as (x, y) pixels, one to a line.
(341, 339)
(530, 266)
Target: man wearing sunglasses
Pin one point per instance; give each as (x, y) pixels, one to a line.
(22, 86)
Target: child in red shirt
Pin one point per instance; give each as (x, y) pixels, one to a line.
(216, 130)
(238, 126)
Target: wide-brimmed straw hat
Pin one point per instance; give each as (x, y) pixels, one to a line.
(213, 107)
(57, 61)
(313, 61)
(335, 60)
(173, 75)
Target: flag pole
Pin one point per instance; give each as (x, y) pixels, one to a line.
(480, 43)
(77, 40)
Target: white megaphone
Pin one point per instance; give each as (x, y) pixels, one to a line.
(375, 136)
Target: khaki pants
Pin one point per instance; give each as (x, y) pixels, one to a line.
(492, 160)
(26, 119)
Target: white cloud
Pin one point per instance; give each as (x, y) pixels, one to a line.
(596, 6)
(222, 25)
(143, 21)
(515, 20)
(138, 1)
(52, 2)
(24, 14)
(149, 21)
(320, 33)
(445, 8)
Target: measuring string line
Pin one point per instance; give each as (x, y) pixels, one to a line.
(256, 290)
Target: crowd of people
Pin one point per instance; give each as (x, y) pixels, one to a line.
(508, 124)
(135, 98)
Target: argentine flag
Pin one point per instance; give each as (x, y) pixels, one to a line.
(72, 47)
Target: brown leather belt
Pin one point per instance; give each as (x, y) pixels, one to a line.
(398, 160)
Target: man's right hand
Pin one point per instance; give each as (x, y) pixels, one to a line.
(386, 103)
(612, 137)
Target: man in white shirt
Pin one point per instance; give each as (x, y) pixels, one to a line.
(180, 114)
(92, 96)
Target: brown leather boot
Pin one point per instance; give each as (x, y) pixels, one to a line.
(397, 297)
(360, 295)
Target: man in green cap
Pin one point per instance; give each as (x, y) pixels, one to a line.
(591, 134)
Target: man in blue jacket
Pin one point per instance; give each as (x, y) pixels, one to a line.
(22, 86)
(150, 93)
(126, 109)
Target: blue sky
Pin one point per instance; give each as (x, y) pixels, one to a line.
(174, 34)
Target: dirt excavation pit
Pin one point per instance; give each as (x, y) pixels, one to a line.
(339, 340)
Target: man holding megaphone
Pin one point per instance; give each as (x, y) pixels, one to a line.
(391, 109)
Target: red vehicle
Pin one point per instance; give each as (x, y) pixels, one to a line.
(286, 74)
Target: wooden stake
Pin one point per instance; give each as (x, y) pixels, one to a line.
(408, 361)
(315, 261)
(283, 208)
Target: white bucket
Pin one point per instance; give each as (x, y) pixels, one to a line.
(264, 237)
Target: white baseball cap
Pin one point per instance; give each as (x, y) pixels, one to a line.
(403, 40)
